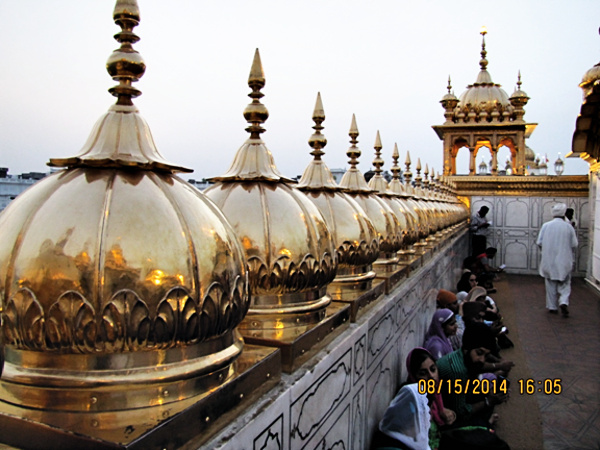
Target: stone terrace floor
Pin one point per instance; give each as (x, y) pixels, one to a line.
(556, 347)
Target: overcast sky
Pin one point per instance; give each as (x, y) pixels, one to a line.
(385, 61)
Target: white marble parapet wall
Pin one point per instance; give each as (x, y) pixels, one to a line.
(336, 399)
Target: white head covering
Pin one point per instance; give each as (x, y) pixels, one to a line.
(407, 418)
(461, 296)
(559, 210)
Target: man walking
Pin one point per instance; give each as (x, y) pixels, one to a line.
(479, 229)
(557, 240)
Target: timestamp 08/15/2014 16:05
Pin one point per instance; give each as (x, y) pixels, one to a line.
(485, 386)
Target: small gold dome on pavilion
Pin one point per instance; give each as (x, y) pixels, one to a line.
(115, 272)
(289, 248)
(591, 77)
(484, 100)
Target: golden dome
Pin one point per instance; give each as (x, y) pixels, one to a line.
(380, 185)
(396, 187)
(117, 273)
(385, 221)
(484, 100)
(290, 252)
(591, 77)
(529, 154)
(353, 233)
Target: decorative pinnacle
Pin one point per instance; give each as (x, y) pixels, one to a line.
(426, 175)
(378, 162)
(483, 62)
(418, 178)
(519, 81)
(256, 113)
(317, 141)
(125, 64)
(353, 152)
(449, 85)
(407, 172)
(395, 169)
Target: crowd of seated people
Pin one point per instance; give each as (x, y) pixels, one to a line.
(455, 380)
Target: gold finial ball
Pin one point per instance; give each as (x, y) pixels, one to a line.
(256, 113)
(127, 65)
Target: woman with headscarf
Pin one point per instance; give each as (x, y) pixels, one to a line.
(405, 424)
(451, 301)
(437, 340)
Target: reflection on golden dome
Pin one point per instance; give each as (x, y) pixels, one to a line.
(117, 271)
(353, 233)
(383, 218)
(290, 251)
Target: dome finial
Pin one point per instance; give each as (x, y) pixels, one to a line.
(395, 169)
(418, 178)
(449, 85)
(317, 175)
(256, 113)
(353, 152)
(483, 62)
(317, 141)
(378, 162)
(125, 64)
(407, 172)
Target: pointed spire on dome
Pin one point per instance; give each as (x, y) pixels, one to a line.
(317, 141)
(256, 113)
(395, 169)
(253, 160)
(353, 179)
(483, 62)
(377, 181)
(317, 175)
(122, 138)
(378, 162)
(418, 178)
(407, 172)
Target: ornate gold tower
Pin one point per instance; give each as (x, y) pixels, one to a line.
(385, 221)
(121, 286)
(290, 251)
(356, 240)
(484, 116)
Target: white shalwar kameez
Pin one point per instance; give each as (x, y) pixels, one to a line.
(557, 241)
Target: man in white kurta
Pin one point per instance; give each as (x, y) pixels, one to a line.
(557, 240)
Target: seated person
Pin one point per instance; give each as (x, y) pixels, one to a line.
(485, 272)
(421, 366)
(466, 364)
(437, 340)
(447, 299)
(405, 424)
(468, 281)
(480, 294)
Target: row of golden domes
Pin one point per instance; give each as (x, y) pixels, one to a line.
(117, 256)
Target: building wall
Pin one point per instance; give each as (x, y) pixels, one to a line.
(516, 222)
(593, 275)
(337, 399)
